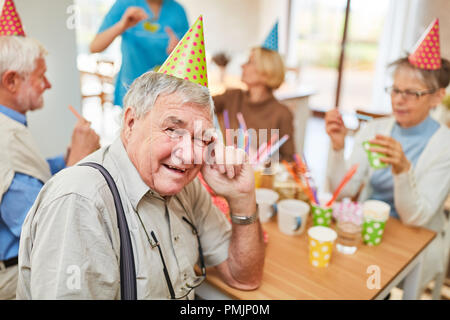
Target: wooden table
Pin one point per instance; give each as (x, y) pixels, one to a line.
(288, 274)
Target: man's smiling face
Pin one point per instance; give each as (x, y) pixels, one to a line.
(164, 146)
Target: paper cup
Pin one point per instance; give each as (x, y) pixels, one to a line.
(292, 216)
(321, 215)
(266, 200)
(374, 157)
(376, 213)
(321, 241)
(257, 173)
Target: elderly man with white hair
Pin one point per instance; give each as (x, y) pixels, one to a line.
(71, 244)
(23, 170)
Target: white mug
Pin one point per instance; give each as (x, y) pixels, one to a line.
(292, 216)
(266, 200)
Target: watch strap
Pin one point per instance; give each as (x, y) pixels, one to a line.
(244, 220)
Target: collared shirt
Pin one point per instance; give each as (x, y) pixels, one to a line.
(70, 245)
(19, 198)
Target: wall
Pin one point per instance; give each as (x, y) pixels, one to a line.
(45, 20)
(405, 23)
(234, 26)
(429, 10)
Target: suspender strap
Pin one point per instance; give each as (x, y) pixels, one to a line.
(128, 289)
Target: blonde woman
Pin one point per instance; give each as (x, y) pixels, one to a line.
(262, 73)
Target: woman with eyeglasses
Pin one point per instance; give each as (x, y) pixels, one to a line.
(416, 181)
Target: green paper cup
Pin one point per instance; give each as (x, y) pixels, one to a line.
(376, 214)
(374, 157)
(321, 215)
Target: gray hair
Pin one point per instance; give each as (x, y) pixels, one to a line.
(433, 79)
(148, 87)
(19, 54)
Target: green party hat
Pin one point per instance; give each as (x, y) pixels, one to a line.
(187, 60)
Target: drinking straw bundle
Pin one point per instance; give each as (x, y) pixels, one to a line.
(271, 149)
(306, 173)
(263, 147)
(309, 186)
(265, 151)
(294, 175)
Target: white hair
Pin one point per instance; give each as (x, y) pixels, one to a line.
(19, 54)
(148, 87)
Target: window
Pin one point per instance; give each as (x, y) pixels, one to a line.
(97, 71)
(318, 28)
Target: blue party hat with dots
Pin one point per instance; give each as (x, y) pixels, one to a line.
(271, 41)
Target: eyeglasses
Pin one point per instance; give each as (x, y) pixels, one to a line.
(408, 94)
(189, 286)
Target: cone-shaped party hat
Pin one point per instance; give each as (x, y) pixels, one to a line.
(427, 54)
(187, 60)
(271, 41)
(10, 24)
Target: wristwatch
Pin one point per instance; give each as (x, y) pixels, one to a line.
(243, 220)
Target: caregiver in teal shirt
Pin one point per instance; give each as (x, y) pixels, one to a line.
(150, 30)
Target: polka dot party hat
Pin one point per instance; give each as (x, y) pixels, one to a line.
(187, 60)
(426, 54)
(10, 24)
(271, 41)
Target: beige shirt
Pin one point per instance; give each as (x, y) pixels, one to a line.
(70, 244)
(19, 153)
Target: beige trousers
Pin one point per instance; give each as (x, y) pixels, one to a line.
(8, 282)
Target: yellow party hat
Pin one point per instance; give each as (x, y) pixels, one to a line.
(187, 60)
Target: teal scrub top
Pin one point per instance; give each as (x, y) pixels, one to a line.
(143, 49)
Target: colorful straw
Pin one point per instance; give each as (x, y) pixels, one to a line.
(218, 130)
(297, 180)
(272, 149)
(344, 181)
(241, 120)
(267, 147)
(242, 131)
(262, 148)
(309, 176)
(304, 171)
(226, 120)
(247, 144)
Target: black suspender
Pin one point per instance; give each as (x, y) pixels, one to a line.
(127, 269)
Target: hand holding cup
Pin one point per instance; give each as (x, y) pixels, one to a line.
(393, 151)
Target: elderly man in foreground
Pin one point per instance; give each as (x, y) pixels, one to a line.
(70, 245)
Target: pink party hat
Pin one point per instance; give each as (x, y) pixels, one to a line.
(187, 60)
(426, 54)
(10, 24)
